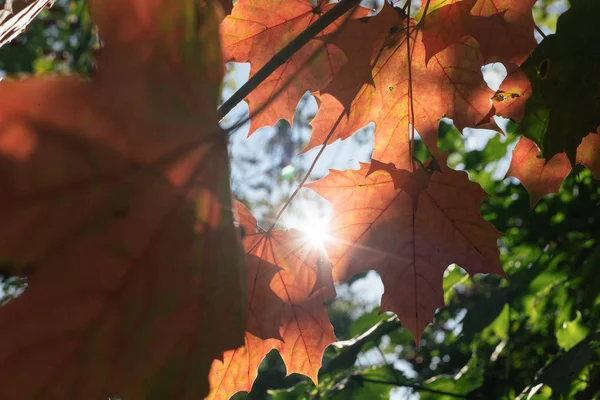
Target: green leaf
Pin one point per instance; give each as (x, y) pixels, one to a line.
(347, 351)
(373, 384)
(469, 378)
(564, 370)
(571, 333)
(563, 70)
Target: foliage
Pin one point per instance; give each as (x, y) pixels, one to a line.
(123, 267)
(562, 71)
(138, 220)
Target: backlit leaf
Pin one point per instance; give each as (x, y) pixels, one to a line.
(450, 85)
(563, 70)
(115, 194)
(287, 285)
(257, 29)
(377, 226)
(539, 176)
(588, 153)
(503, 28)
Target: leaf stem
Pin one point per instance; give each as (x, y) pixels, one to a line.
(411, 121)
(283, 55)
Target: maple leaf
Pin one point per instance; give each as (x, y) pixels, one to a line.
(257, 29)
(377, 226)
(539, 176)
(115, 196)
(450, 85)
(507, 33)
(564, 106)
(588, 153)
(511, 97)
(445, 22)
(361, 41)
(288, 281)
(503, 28)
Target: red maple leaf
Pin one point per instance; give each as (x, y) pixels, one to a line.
(288, 281)
(445, 22)
(507, 32)
(539, 176)
(510, 98)
(503, 28)
(377, 225)
(450, 85)
(588, 153)
(361, 41)
(115, 198)
(256, 30)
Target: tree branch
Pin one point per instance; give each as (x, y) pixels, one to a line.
(283, 55)
(540, 31)
(408, 385)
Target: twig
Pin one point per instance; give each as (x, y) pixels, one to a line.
(312, 166)
(326, 42)
(286, 53)
(424, 14)
(389, 366)
(540, 31)
(408, 385)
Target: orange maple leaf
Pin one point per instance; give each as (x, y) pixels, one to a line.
(288, 281)
(503, 28)
(378, 226)
(588, 153)
(445, 22)
(450, 85)
(115, 197)
(510, 98)
(257, 29)
(539, 176)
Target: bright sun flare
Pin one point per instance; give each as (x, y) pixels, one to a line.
(314, 227)
(316, 230)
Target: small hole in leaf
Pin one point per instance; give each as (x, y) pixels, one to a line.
(12, 286)
(544, 68)
(391, 88)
